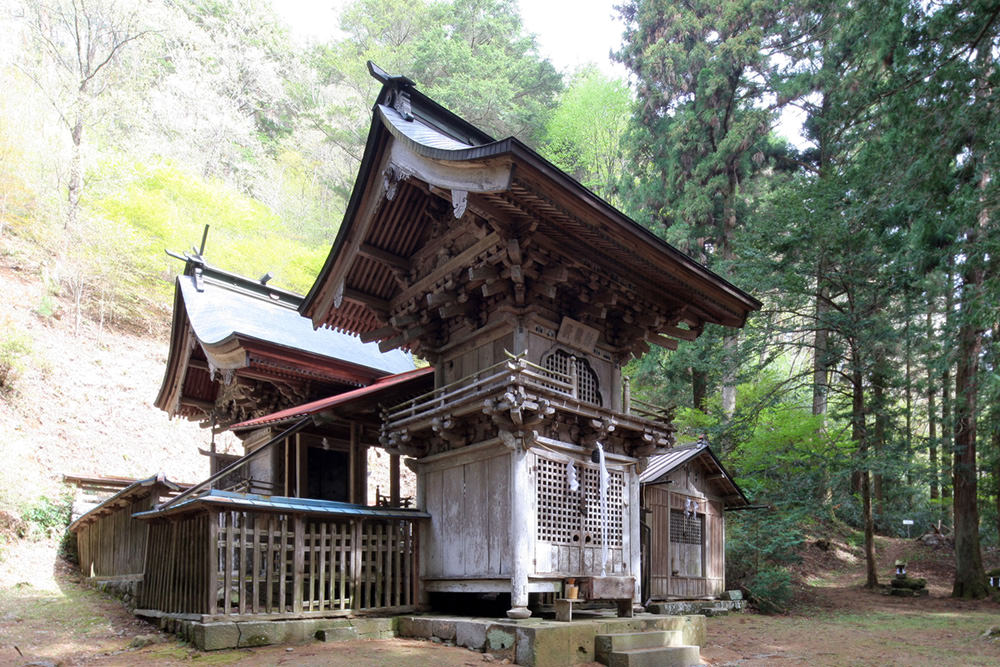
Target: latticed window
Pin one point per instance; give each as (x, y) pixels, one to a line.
(574, 517)
(558, 361)
(687, 530)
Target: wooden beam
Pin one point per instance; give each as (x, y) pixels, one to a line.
(403, 338)
(480, 273)
(667, 343)
(378, 334)
(435, 299)
(204, 406)
(677, 332)
(494, 287)
(383, 256)
(457, 262)
(377, 304)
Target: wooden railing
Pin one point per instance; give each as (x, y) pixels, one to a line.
(241, 563)
(515, 370)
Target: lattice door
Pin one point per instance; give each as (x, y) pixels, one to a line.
(574, 517)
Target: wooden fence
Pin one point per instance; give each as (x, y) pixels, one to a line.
(113, 545)
(241, 563)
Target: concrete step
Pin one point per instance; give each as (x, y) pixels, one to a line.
(605, 645)
(666, 656)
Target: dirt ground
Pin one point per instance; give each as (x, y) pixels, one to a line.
(836, 621)
(49, 617)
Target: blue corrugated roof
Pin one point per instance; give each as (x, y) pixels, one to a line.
(220, 312)
(251, 501)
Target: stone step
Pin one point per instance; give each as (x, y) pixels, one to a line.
(666, 656)
(605, 645)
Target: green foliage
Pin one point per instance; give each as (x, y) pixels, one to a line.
(770, 589)
(585, 133)
(760, 544)
(472, 56)
(164, 206)
(15, 351)
(47, 517)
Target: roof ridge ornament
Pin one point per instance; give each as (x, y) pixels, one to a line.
(401, 85)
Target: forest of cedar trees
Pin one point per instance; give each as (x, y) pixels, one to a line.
(866, 392)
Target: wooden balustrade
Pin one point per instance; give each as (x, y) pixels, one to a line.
(516, 370)
(229, 563)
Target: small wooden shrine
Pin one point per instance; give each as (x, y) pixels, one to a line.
(239, 351)
(111, 546)
(684, 495)
(527, 293)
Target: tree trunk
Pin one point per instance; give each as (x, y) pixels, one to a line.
(74, 187)
(860, 437)
(970, 578)
(932, 444)
(879, 440)
(947, 426)
(699, 388)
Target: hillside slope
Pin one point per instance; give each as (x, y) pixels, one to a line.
(83, 404)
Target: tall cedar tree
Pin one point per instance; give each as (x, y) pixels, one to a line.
(700, 70)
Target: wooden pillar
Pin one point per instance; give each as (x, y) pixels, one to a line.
(520, 532)
(288, 468)
(635, 528)
(394, 480)
(298, 465)
(353, 463)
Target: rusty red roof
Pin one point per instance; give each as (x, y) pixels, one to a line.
(339, 399)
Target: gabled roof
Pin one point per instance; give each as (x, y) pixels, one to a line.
(661, 465)
(238, 325)
(418, 154)
(139, 488)
(418, 381)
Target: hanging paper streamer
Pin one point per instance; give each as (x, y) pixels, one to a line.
(571, 480)
(604, 509)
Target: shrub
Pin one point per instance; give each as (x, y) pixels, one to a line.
(770, 588)
(14, 350)
(47, 517)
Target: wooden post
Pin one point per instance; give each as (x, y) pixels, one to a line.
(520, 497)
(212, 564)
(298, 465)
(394, 498)
(356, 548)
(352, 490)
(574, 377)
(298, 562)
(288, 469)
(635, 533)
(626, 395)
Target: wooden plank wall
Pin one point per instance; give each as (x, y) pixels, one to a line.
(662, 584)
(114, 545)
(236, 563)
(485, 354)
(469, 504)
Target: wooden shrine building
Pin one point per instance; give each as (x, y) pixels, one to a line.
(239, 351)
(684, 494)
(527, 293)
